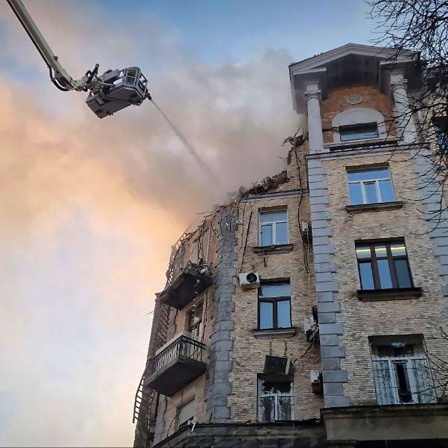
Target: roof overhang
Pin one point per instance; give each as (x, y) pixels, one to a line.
(349, 64)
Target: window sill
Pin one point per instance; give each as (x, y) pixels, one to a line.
(378, 295)
(275, 332)
(364, 143)
(274, 249)
(376, 207)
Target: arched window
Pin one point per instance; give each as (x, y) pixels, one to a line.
(358, 123)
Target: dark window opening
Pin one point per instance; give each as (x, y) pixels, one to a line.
(275, 400)
(404, 389)
(194, 321)
(441, 128)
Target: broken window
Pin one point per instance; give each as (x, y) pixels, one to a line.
(401, 372)
(383, 265)
(275, 400)
(273, 227)
(194, 321)
(370, 186)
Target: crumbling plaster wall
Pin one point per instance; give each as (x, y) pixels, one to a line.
(209, 231)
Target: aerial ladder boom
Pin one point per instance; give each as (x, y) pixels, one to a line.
(108, 93)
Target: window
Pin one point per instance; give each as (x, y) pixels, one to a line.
(383, 265)
(358, 131)
(274, 306)
(370, 186)
(441, 127)
(185, 412)
(401, 373)
(358, 123)
(194, 321)
(275, 399)
(273, 227)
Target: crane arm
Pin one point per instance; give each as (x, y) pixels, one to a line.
(58, 74)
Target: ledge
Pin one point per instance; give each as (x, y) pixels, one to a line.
(377, 295)
(377, 207)
(274, 249)
(275, 332)
(378, 142)
(399, 422)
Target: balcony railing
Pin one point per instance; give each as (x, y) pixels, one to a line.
(176, 364)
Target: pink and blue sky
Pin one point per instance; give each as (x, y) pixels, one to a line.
(89, 208)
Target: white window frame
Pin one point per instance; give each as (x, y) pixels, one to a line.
(273, 224)
(371, 181)
(391, 397)
(276, 396)
(358, 115)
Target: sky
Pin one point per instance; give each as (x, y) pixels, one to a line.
(90, 208)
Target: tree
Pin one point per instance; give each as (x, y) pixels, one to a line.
(422, 26)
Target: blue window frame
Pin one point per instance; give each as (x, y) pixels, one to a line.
(274, 306)
(370, 186)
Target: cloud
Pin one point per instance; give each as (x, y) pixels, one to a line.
(91, 207)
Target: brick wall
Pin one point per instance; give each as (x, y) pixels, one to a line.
(249, 351)
(336, 102)
(399, 317)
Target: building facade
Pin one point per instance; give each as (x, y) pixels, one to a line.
(311, 311)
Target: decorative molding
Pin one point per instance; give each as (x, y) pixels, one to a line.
(377, 207)
(274, 249)
(354, 99)
(273, 333)
(400, 84)
(380, 295)
(315, 94)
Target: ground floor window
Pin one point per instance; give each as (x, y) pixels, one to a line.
(275, 399)
(401, 372)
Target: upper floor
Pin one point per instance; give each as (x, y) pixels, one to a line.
(356, 94)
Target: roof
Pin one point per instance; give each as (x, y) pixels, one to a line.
(322, 59)
(347, 64)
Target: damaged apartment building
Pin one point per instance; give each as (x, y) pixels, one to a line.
(311, 310)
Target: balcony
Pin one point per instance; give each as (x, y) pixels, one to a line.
(176, 364)
(192, 281)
